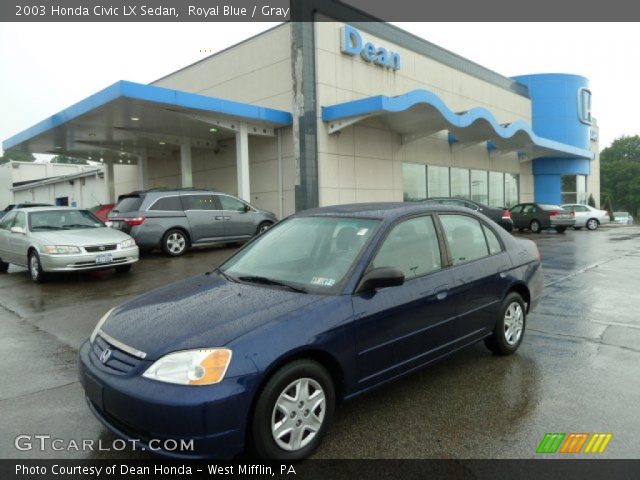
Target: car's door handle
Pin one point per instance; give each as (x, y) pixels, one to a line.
(219, 217)
(441, 292)
(227, 218)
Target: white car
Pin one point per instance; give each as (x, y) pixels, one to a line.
(624, 218)
(587, 216)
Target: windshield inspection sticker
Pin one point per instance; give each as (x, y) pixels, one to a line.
(325, 282)
(362, 231)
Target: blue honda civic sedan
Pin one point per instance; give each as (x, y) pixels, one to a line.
(324, 306)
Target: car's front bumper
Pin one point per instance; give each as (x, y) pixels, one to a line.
(87, 261)
(147, 412)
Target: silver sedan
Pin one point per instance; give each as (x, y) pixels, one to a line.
(55, 239)
(587, 216)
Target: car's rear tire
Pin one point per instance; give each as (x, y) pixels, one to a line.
(35, 268)
(123, 268)
(4, 266)
(561, 229)
(293, 411)
(175, 242)
(509, 330)
(263, 227)
(592, 224)
(535, 226)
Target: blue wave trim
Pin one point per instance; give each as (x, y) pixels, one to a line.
(152, 93)
(381, 104)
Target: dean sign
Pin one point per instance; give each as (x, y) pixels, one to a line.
(353, 44)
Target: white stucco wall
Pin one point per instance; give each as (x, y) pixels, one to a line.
(364, 162)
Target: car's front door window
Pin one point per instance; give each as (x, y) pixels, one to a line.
(411, 246)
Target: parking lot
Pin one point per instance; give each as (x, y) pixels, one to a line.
(576, 371)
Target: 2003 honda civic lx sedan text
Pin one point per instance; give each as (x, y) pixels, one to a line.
(326, 305)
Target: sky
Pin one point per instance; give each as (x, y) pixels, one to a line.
(47, 67)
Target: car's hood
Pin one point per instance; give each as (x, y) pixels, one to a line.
(199, 312)
(81, 237)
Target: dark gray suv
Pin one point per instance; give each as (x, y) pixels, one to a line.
(175, 219)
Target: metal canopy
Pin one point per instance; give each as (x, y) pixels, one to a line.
(420, 113)
(127, 120)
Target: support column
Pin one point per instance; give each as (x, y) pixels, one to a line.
(185, 163)
(242, 163)
(143, 170)
(109, 182)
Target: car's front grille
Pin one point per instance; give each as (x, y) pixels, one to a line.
(117, 361)
(101, 248)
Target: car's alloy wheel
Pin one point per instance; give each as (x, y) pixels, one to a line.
(510, 327)
(513, 323)
(263, 227)
(535, 226)
(293, 411)
(298, 414)
(174, 243)
(35, 268)
(592, 224)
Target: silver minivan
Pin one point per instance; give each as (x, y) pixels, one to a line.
(174, 219)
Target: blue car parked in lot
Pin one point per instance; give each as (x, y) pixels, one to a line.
(325, 306)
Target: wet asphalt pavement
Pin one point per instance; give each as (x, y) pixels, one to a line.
(578, 369)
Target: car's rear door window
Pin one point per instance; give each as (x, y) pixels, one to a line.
(492, 240)
(411, 246)
(200, 202)
(167, 204)
(465, 237)
(7, 220)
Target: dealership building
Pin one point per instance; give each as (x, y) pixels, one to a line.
(325, 112)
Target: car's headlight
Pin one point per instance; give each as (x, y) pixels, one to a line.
(99, 325)
(61, 249)
(191, 367)
(128, 243)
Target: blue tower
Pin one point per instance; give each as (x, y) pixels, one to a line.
(561, 111)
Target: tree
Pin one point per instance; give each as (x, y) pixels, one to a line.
(620, 174)
(68, 160)
(17, 156)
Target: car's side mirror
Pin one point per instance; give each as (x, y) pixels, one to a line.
(380, 278)
(246, 209)
(18, 230)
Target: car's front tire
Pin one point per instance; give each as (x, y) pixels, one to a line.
(592, 224)
(509, 330)
(36, 272)
(175, 242)
(4, 266)
(263, 227)
(293, 411)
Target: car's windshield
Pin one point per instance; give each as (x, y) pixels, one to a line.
(63, 220)
(308, 253)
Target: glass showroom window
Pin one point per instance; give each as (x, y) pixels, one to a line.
(460, 182)
(414, 181)
(496, 189)
(511, 187)
(581, 189)
(438, 181)
(479, 186)
(569, 189)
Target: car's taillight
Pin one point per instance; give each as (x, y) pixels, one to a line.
(506, 214)
(553, 213)
(134, 222)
